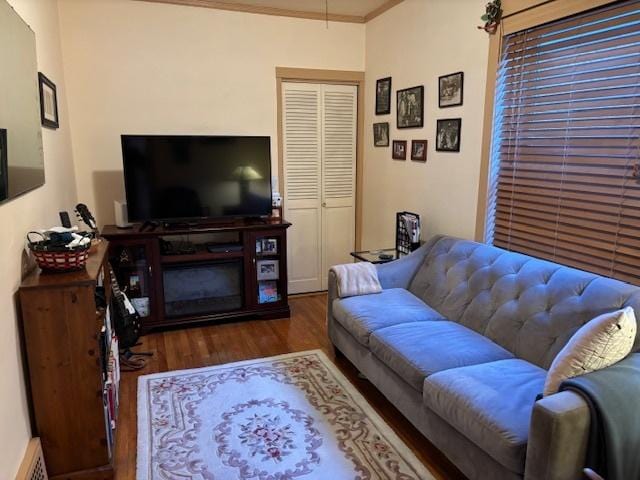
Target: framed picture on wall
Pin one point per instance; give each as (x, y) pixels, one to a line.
(448, 135)
(399, 150)
(381, 134)
(4, 165)
(419, 150)
(410, 107)
(383, 96)
(48, 102)
(450, 89)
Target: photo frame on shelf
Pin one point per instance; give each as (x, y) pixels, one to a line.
(141, 306)
(410, 107)
(419, 150)
(448, 132)
(134, 287)
(450, 90)
(268, 246)
(381, 134)
(383, 96)
(48, 102)
(399, 150)
(268, 270)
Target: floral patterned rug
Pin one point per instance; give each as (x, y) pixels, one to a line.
(288, 417)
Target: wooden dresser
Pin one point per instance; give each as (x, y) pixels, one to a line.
(67, 339)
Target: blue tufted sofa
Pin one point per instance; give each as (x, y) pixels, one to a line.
(459, 341)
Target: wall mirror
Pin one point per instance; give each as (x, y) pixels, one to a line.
(21, 154)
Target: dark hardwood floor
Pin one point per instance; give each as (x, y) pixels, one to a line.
(217, 344)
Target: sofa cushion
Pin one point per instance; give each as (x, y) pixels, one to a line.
(529, 306)
(600, 343)
(417, 350)
(490, 404)
(365, 314)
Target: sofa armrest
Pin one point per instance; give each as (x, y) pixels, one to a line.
(558, 438)
(399, 273)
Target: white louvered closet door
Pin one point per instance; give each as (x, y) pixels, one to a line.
(339, 116)
(302, 133)
(319, 128)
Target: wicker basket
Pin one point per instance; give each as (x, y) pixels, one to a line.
(58, 259)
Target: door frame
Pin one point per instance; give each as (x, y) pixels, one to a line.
(339, 77)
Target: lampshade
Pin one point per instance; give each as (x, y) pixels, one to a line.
(246, 172)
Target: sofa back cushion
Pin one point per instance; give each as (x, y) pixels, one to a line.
(529, 306)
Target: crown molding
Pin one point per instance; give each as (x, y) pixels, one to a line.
(280, 12)
(381, 9)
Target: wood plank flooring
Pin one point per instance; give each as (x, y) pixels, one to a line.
(230, 342)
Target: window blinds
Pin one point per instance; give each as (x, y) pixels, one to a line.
(566, 142)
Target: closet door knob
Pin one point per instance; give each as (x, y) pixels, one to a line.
(324, 204)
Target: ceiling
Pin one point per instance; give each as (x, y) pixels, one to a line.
(357, 11)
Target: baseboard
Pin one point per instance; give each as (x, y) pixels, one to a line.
(33, 466)
(104, 472)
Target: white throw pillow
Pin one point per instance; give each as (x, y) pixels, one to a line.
(598, 344)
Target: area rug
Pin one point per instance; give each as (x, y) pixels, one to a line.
(288, 417)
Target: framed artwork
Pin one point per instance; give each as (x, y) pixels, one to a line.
(268, 270)
(48, 102)
(419, 150)
(450, 89)
(268, 246)
(410, 107)
(141, 305)
(383, 96)
(399, 150)
(4, 165)
(448, 135)
(381, 134)
(134, 282)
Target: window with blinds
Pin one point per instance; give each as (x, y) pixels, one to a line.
(565, 151)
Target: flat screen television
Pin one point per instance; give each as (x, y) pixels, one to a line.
(187, 178)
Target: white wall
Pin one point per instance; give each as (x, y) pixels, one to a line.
(415, 42)
(36, 209)
(136, 67)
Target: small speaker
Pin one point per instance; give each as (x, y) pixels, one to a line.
(122, 217)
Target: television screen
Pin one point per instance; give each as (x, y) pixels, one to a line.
(170, 177)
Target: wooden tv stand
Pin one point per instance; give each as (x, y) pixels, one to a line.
(241, 265)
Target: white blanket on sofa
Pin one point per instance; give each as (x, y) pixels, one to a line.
(356, 279)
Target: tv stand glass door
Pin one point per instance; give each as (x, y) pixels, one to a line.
(131, 261)
(268, 267)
